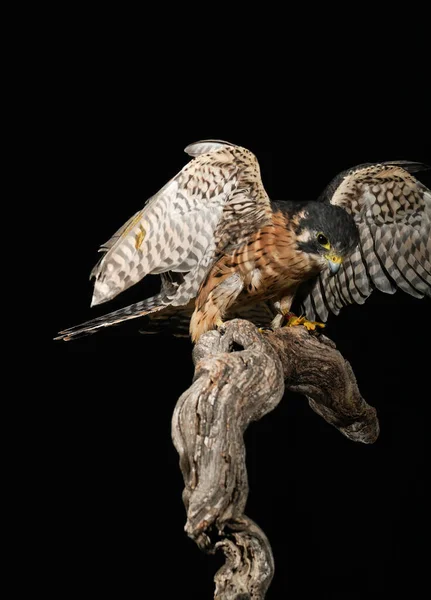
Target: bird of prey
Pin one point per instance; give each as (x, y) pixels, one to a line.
(224, 249)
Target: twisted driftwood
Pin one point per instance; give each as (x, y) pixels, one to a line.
(240, 376)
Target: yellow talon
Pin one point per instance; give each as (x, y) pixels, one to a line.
(311, 325)
(294, 321)
(265, 330)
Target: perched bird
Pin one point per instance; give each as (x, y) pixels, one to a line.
(223, 249)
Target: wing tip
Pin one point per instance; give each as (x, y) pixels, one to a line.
(410, 166)
(205, 147)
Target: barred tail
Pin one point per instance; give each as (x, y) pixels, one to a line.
(175, 320)
(140, 309)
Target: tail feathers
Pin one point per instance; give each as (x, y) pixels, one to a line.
(134, 311)
(175, 320)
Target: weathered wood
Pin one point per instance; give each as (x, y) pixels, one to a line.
(241, 375)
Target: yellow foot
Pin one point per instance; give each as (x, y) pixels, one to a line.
(265, 330)
(220, 326)
(294, 321)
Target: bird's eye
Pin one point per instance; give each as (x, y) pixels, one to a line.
(323, 240)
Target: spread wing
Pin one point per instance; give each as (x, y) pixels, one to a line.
(217, 199)
(392, 210)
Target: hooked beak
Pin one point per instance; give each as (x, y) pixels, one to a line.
(334, 263)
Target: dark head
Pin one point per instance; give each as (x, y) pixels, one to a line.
(328, 232)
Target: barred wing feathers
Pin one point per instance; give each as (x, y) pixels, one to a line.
(392, 210)
(184, 226)
(216, 200)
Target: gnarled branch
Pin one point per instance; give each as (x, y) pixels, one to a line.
(240, 376)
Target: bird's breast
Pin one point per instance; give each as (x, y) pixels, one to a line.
(271, 262)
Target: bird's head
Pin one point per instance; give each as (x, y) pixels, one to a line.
(328, 233)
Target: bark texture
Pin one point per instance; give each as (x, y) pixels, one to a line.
(241, 375)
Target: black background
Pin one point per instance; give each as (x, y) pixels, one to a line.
(344, 519)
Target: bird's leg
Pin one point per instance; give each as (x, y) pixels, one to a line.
(213, 302)
(289, 319)
(282, 307)
(278, 320)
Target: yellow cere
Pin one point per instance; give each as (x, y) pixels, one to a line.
(333, 258)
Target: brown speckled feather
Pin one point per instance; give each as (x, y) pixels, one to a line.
(392, 210)
(220, 245)
(217, 200)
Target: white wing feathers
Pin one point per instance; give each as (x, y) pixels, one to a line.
(175, 231)
(205, 147)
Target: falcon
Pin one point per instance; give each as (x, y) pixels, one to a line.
(223, 249)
